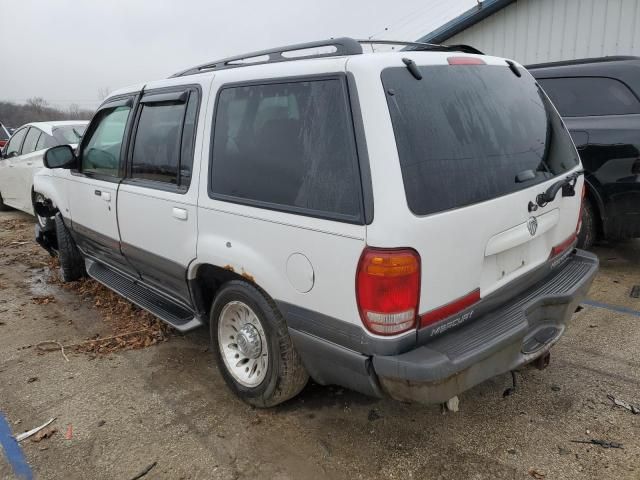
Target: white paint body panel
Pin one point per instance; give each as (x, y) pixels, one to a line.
(458, 249)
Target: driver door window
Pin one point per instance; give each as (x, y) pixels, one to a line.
(14, 145)
(101, 151)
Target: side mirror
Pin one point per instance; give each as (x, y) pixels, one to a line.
(61, 156)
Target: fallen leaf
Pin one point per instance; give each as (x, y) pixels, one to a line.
(536, 474)
(44, 434)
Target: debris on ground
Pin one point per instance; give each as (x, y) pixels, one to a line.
(33, 431)
(133, 328)
(635, 409)
(536, 474)
(453, 404)
(32, 379)
(373, 415)
(602, 443)
(69, 433)
(145, 471)
(635, 291)
(44, 434)
(43, 300)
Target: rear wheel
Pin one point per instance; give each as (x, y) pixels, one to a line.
(254, 352)
(71, 261)
(588, 230)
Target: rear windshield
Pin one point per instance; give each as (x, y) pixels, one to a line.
(69, 133)
(4, 135)
(467, 134)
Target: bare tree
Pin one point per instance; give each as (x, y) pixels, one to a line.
(103, 93)
(39, 104)
(74, 111)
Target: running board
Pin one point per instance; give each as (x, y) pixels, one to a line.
(179, 317)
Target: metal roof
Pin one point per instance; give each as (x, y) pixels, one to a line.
(472, 16)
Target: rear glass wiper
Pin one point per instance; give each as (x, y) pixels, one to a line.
(567, 185)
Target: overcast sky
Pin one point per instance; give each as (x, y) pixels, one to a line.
(68, 50)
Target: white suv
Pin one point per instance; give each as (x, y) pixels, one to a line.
(398, 223)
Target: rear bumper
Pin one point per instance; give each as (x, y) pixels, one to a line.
(509, 337)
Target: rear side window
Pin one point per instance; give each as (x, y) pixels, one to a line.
(288, 146)
(163, 146)
(465, 133)
(31, 141)
(590, 96)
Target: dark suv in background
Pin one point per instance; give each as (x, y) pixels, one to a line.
(599, 100)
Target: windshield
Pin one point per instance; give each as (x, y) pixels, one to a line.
(4, 135)
(467, 134)
(69, 133)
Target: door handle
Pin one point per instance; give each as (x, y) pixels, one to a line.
(180, 213)
(29, 163)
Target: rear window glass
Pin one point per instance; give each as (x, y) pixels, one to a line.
(4, 135)
(287, 146)
(466, 133)
(590, 96)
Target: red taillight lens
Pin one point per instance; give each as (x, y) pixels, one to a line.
(562, 247)
(465, 61)
(449, 309)
(388, 290)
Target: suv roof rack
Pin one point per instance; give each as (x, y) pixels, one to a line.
(343, 46)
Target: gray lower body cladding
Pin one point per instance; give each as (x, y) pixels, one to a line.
(512, 335)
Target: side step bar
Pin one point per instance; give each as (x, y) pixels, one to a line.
(179, 317)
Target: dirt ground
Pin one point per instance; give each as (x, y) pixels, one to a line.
(123, 403)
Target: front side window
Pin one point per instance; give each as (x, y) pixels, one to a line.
(472, 133)
(101, 152)
(14, 145)
(163, 146)
(590, 96)
(45, 141)
(31, 140)
(287, 145)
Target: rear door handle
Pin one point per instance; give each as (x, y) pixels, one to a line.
(180, 213)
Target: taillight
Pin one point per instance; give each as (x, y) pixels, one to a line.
(449, 309)
(388, 290)
(566, 244)
(465, 61)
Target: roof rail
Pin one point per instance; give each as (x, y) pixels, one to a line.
(343, 46)
(421, 46)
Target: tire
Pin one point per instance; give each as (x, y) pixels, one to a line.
(71, 261)
(46, 223)
(588, 231)
(284, 376)
(3, 207)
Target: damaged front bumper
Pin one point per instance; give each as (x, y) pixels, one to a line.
(514, 335)
(47, 240)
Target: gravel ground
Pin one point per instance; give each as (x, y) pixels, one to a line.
(158, 398)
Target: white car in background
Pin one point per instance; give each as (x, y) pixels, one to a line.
(22, 158)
